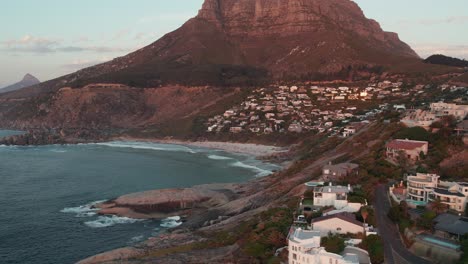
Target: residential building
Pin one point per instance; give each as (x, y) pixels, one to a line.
(444, 109)
(339, 171)
(462, 128)
(412, 149)
(426, 188)
(342, 223)
(414, 118)
(305, 248)
(421, 186)
(450, 226)
(336, 196)
(453, 194)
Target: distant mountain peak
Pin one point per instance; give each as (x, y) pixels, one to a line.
(28, 80)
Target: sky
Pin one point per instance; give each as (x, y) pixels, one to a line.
(50, 38)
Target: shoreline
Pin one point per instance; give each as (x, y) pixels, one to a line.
(256, 150)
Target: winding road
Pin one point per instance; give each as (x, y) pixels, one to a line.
(395, 250)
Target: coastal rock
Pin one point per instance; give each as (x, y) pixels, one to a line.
(168, 202)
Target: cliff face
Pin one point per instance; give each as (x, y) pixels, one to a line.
(238, 42)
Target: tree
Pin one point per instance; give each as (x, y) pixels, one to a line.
(333, 243)
(426, 219)
(464, 248)
(364, 214)
(373, 244)
(413, 133)
(437, 206)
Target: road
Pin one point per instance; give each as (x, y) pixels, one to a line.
(395, 250)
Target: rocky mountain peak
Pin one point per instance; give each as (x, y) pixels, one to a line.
(30, 78)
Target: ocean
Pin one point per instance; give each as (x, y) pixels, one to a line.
(46, 193)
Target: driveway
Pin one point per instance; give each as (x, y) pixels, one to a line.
(395, 250)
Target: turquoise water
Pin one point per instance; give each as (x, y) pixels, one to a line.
(46, 193)
(416, 203)
(441, 242)
(5, 133)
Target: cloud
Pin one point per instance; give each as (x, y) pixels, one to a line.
(428, 49)
(436, 21)
(31, 44)
(39, 45)
(81, 64)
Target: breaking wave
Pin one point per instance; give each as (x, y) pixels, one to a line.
(86, 210)
(216, 157)
(260, 172)
(171, 222)
(106, 221)
(147, 146)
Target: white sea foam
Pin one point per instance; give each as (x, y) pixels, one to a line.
(171, 222)
(136, 239)
(86, 210)
(106, 221)
(58, 150)
(217, 157)
(147, 146)
(260, 172)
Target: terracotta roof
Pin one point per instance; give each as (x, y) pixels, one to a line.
(406, 144)
(348, 217)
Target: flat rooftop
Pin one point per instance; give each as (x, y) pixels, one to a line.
(332, 189)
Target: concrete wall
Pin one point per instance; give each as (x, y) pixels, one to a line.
(436, 253)
(336, 226)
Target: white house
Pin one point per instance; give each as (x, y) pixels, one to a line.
(342, 223)
(421, 186)
(336, 196)
(304, 248)
(425, 188)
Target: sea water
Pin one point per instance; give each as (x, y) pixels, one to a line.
(47, 193)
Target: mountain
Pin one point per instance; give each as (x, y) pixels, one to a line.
(446, 60)
(28, 80)
(245, 42)
(229, 44)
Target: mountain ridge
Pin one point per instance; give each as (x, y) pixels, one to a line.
(245, 42)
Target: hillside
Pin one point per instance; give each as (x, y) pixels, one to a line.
(447, 61)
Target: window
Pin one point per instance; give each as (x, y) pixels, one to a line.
(294, 256)
(338, 229)
(331, 261)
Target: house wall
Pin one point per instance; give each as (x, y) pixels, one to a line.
(327, 199)
(336, 226)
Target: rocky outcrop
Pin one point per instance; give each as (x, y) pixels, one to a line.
(169, 202)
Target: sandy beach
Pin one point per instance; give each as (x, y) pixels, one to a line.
(241, 148)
